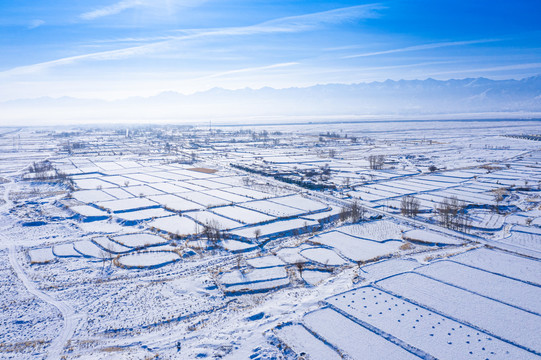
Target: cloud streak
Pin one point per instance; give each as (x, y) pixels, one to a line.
(113, 9)
(281, 25)
(422, 47)
(250, 69)
(123, 5)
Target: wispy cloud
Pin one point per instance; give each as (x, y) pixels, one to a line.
(281, 25)
(422, 47)
(35, 23)
(250, 69)
(480, 70)
(113, 9)
(121, 6)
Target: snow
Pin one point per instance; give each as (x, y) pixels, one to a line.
(257, 275)
(254, 281)
(516, 325)
(386, 268)
(505, 264)
(111, 246)
(314, 277)
(101, 227)
(41, 256)
(299, 202)
(254, 194)
(88, 211)
(139, 240)
(140, 215)
(203, 199)
(88, 249)
(237, 246)
(265, 262)
(243, 215)
(126, 204)
(422, 328)
(291, 255)
(65, 250)
(230, 197)
(524, 239)
(430, 237)
(207, 217)
(271, 208)
(142, 190)
(322, 256)
(381, 230)
(91, 196)
(175, 203)
(509, 291)
(357, 249)
(118, 193)
(147, 259)
(301, 341)
(351, 338)
(176, 225)
(275, 228)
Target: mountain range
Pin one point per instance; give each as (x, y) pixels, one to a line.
(475, 97)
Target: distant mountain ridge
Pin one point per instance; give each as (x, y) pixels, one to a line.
(389, 98)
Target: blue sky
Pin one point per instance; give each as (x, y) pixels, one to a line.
(114, 49)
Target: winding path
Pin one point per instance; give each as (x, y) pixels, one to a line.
(68, 314)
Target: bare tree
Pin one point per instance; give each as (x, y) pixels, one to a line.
(409, 206)
(211, 230)
(499, 195)
(353, 212)
(376, 161)
(257, 234)
(452, 214)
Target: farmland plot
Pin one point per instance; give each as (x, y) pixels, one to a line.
(501, 263)
(351, 338)
(301, 341)
(41, 256)
(203, 199)
(256, 280)
(209, 218)
(299, 202)
(426, 332)
(272, 208)
(242, 215)
(515, 325)
(91, 196)
(381, 230)
(131, 217)
(126, 204)
(175, 203)
(142, 190)
(430, 237)
(509, 291)
(176, 225)
(140, 240)
(111, 246)
(88, 211)
(65, 250)
(322, 256)
(147, 259)
(277, 228)
(119, 193)
(357, 249)
(230, 197)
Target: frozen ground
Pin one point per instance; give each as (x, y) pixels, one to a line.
(235, 243)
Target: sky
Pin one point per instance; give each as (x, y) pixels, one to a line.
(114, 49)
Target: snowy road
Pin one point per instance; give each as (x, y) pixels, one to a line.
(70, 321)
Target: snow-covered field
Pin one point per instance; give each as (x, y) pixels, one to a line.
(227, 245)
